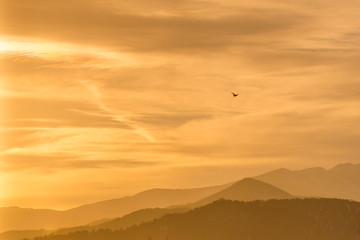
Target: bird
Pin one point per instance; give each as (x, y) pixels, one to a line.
(234, 94)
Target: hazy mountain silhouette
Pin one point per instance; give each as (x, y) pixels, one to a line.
(247, 189)
(342, 181)
(13, 218)
(295, 219)
(21, 234)
(134, 218)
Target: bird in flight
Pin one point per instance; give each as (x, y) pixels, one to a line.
(235, 94)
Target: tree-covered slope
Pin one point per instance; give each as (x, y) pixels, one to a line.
(295, 219)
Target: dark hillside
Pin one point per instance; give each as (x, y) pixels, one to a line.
(295, 219)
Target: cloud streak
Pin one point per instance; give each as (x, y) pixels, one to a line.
(37, 112)
(60, 162)
(89, 22)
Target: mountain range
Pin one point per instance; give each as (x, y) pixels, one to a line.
(295, 219)
(342, 181)
(244, 190)
(28, 218)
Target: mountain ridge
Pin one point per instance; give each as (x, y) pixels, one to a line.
(341, 181)
(345, 177)
(281, 219)
(246, 189)
(15, 218)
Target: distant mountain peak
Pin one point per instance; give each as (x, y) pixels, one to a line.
(255, 185)
(247, 189)
(246, 181)
(313, 170)
(341, 181)
(280, 171)
(347, 165)
(342, 166)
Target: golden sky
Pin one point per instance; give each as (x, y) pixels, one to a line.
(103, 98)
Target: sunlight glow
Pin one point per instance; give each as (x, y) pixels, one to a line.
(62, 51)
(5, 46)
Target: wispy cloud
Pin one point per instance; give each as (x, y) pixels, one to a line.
(99, 24)
(117, 115)
(44, 112)
(61, 161)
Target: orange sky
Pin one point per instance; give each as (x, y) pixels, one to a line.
(103, 98)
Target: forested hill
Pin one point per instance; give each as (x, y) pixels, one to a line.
(295, 219)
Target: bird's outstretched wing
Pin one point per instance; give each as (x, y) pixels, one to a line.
(234, 94)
